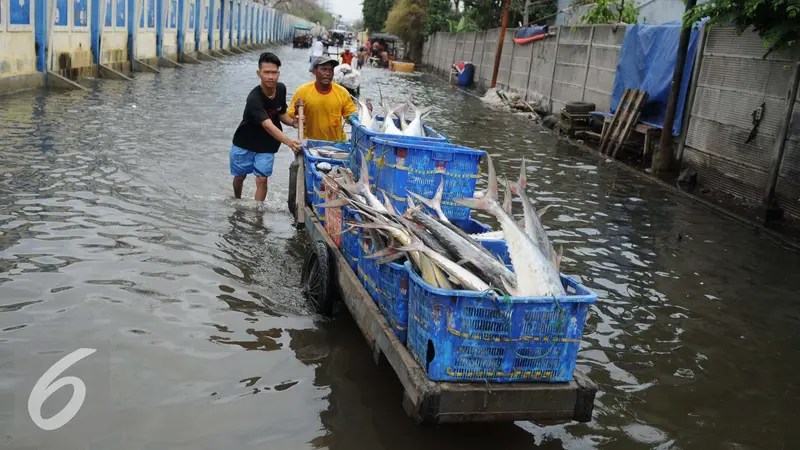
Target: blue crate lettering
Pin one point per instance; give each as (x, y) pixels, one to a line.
(351, 249)
(469, 337)
(403, 165)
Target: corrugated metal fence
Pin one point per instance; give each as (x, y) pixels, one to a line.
(735, 80)
(579, 63)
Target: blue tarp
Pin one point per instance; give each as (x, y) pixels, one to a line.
(647, 62)
(527, 32)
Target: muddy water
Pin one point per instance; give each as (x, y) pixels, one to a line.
(119, 233)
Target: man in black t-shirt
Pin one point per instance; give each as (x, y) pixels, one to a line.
(260, 134)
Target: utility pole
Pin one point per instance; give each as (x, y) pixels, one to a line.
(663, 156)
(500, 43)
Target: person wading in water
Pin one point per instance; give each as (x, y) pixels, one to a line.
(260, 134)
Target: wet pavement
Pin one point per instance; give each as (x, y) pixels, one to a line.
(118, 231)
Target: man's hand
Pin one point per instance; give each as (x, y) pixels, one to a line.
(295, 145)
(295, 123)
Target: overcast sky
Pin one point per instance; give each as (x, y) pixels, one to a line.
(349, 9)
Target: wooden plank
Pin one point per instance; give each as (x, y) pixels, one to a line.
(617, 131)
(633, 118)
(432, 402)
(614, 121)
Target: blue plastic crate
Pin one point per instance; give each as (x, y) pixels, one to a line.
(470, 337)
(361, 143)
(404, 165)
(368, 268)
(351, 249)
(315, 191)
(392, 286)
(311, 161)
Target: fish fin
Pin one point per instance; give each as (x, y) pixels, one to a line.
(462, 262)
(337, 203)
(383, 253)
(523, 178)
(507, 201)
(540, 212)
(350, 187)
(388, 203)
(493, 192)
(349, 229)
(510, 290)
(430, 203)
(559, 257)
(437, 198)
(473, 203)
(415, 246)
(411, 204)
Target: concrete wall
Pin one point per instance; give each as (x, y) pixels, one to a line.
(579, 64)
(573, 64)
(733, 81)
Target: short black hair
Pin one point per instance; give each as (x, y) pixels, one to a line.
(270, 58)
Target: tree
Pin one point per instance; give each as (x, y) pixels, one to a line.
(439, 13)
(375, 13)
(407, 20)
(776, 21)
(608, 11)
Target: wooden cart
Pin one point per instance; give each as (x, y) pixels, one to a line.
(327, 278)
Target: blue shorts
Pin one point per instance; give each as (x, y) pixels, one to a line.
(245, 162)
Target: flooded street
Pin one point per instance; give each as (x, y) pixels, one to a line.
(118, 231)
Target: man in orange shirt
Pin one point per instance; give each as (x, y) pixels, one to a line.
(347, 57)
(326, 104)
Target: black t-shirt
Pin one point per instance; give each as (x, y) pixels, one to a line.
(251, 135)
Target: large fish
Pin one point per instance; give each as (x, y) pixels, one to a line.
(534, 275)
(365, 115)
(415, 127)
(533, 226)
(388, 122)
(458, 273)
(487, 266)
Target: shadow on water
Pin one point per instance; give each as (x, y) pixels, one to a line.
(364, 401)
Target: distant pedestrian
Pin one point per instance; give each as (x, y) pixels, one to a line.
(260, 134)
(317, 49)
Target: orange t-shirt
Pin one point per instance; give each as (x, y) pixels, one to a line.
(347, 58)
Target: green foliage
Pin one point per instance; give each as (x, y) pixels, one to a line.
(608, 11)
(407, 20)
(776, 21)
(463, 24)
(375, 13)
(440, 13)
(484, 13)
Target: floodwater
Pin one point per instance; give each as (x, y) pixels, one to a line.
(118, 232)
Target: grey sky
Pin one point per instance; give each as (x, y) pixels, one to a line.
(349, 9)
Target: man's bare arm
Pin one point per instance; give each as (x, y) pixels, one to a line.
(279, 135)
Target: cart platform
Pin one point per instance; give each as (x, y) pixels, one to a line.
(433, 402)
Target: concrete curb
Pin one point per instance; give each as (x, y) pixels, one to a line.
(104, 71)
(55, 80)
(137, 65)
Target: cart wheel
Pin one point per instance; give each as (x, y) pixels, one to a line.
(317, 279)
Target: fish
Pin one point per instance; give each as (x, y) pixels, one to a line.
(388, 122)
(434, 203)
(488, 267)
(365, 115)
(458, 273)
(415, 127)
(535, 277)
(533, 226)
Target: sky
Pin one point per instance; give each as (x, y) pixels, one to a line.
(349, 9)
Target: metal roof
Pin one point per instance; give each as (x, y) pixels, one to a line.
(385, 36)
